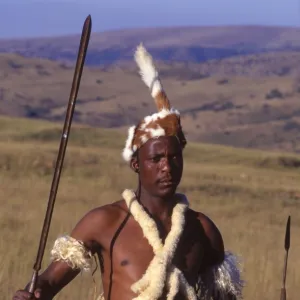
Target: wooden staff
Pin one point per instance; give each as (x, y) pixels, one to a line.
(287, 241)
(85, 37)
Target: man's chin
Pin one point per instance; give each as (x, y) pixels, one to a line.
(168, 191)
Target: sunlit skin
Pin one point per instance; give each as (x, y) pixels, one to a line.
(159, 165)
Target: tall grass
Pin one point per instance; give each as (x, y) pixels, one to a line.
(248, 194)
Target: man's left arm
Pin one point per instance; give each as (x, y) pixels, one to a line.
(221, 275)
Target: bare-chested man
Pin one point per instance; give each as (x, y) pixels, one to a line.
(151, 244)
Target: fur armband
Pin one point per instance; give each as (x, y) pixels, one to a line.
(223, 281)
(73, 252)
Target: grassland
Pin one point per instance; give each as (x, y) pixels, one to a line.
(249, 194)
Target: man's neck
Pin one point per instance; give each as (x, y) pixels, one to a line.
(157, 207)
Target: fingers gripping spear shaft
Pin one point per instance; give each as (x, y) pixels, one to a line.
(287, 247)
(85, 36)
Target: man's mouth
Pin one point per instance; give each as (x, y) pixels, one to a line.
(167, 182)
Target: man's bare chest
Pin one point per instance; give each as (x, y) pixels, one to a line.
(130, 253)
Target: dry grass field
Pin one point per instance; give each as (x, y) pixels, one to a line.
(248, 193)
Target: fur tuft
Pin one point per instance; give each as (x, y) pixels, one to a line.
(148, 71)
(150, 77)
(128, 150)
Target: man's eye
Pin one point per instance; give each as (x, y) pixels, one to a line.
(155, 159)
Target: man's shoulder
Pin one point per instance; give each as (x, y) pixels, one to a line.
(212, 234)
(207, 223)
(99, 220)
(106, 214)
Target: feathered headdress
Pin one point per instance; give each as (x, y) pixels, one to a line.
(166, 122)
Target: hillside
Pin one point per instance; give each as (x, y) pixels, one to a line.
(248, 194)
(250, 101)
(189, 44)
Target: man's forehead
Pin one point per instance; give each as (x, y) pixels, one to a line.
(170, 143)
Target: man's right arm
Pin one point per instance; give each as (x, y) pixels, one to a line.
(60, 272)
(50, 282)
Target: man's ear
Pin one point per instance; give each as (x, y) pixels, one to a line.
(134, 164)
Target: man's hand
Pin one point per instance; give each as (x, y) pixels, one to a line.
(58, 274)
(25, 295)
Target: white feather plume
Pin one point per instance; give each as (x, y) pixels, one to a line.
(148, 71)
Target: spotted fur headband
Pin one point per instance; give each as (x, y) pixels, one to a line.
(165, 122)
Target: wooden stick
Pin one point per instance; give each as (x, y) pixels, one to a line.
(85, 36)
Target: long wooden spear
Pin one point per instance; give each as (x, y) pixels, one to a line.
(85, 37)
(287, 242)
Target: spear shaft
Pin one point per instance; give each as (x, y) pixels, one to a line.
(287, 242)
(84, 41)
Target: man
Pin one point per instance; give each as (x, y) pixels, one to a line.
(151, 244)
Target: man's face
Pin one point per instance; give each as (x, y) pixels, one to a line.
(160, 166)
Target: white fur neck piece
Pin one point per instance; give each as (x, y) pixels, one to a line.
(161, 273)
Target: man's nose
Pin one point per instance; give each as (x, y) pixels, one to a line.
(166, 165)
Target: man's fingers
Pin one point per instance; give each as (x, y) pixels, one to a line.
(20, 295)
(37, 294)
(24, 295)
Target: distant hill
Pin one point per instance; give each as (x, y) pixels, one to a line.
(186, 44)
(250, 101)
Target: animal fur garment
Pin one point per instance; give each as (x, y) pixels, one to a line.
(222, 280)
(161, 272)
(166, 122)
(72, 252)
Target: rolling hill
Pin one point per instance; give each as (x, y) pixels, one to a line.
(237, 86)
(189, 44)
(250, 101)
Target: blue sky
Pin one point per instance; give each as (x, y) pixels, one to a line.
(30, 18)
